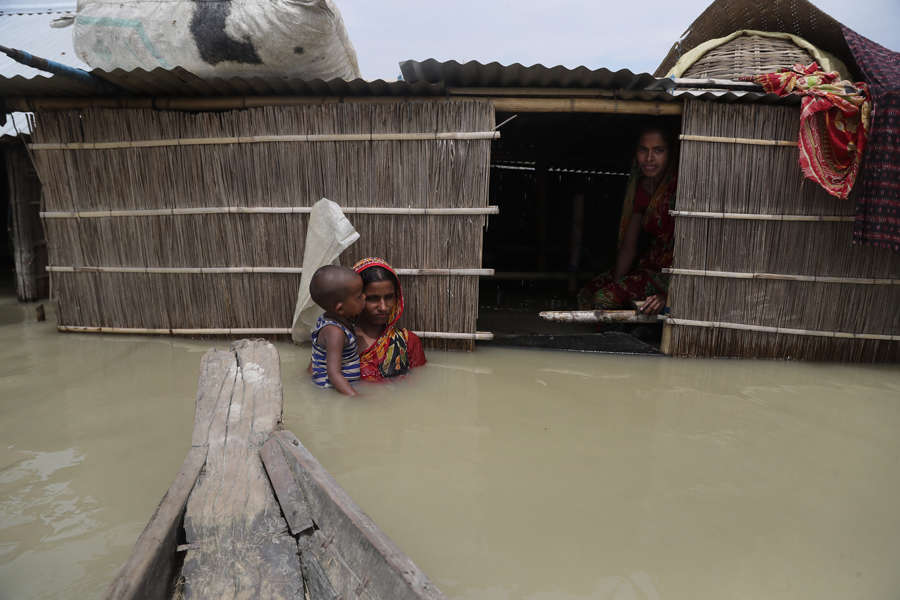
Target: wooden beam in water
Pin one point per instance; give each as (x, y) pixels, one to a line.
(238, 543)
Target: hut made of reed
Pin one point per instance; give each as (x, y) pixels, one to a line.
(764, 261)
(177, 205)
(187, 215)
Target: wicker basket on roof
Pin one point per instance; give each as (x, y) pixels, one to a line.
(747, 55)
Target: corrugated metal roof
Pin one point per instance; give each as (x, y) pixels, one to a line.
(179, 82)
(734, 96)
(476, 74)
(428, 78)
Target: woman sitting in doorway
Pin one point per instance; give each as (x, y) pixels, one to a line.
(645, 214)
(385, 350)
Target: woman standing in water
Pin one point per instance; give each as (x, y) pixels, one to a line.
(385, 350)
(638, 274)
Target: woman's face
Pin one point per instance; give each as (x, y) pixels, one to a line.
(380, 300)
(652, 154)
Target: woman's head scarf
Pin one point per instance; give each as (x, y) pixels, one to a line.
(374, 261)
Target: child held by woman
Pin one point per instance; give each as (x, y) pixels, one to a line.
(335, 354)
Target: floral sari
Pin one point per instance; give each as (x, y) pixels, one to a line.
(397, 350)
(646, 277)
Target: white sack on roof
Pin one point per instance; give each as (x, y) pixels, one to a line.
(217, 38)
(329, 233)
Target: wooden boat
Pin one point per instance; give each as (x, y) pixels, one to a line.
(252, 514)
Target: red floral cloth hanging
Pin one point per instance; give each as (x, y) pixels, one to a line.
(834, 123)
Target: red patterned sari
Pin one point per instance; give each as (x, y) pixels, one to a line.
(646, 277)
(398, 349)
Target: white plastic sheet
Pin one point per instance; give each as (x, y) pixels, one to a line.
(328, 235)
(217, 38)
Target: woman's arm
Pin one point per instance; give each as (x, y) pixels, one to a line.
(628, 251)
(334, 348)
(415, 351)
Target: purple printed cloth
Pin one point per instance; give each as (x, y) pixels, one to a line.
(878, 194)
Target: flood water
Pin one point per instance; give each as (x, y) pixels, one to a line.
(503, 474)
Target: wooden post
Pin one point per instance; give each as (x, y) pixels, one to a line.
(25, 229)
(665, 344)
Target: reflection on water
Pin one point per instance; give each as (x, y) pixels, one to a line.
(504, 473)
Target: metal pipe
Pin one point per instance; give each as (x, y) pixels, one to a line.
(43, 64)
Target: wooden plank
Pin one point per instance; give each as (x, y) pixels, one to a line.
(598, 316)
(216, 381)
(288, 493)
(150, 570)
(359, 560)
(587, 105)
(239, 545)
(665, 344)
(314, 576)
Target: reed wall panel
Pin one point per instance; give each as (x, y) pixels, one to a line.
(766, 180)
(418, 174)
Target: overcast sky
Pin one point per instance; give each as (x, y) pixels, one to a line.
(616, 34)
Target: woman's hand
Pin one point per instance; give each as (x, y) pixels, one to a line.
(653, 304)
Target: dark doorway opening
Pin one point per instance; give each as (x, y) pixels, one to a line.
(559, 180)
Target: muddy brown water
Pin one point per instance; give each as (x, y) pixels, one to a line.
(503, 474)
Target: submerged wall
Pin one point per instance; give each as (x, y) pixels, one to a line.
(779, 276)
(161, 261)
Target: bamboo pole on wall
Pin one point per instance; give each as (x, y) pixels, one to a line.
(244, 270)
(783, 330)
(737, 140)
(241, 331)
(501, 104)
(783, 277)
(264, 139)
(267, 210)
(586, 105)
(763, 217)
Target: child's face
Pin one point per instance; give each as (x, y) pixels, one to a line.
(355, 301)
(381, 297)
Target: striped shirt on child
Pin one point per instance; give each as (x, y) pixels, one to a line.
(349, 357)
